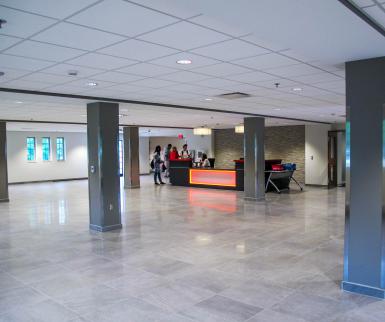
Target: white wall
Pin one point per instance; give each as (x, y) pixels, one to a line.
(21, 170)
(316, 154)
(144, 155)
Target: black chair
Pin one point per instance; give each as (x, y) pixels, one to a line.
(212, 162)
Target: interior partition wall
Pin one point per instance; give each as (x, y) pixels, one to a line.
(3, 163)
(364, 259)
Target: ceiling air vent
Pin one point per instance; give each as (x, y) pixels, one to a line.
(234, 95)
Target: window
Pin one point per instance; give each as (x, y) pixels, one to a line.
(121, 157)
(46, 148)
(31, 149)
(60, 149)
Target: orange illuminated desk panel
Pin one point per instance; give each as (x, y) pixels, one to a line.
(181, 175)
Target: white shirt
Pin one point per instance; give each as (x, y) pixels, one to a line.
(185, 154)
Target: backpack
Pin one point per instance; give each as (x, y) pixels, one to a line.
(152, 165)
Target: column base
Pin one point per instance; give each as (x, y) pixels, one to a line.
(105, 228)
(363, 289)
(132, 187)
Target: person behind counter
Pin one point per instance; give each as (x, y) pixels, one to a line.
(205, 161)
(157, 165)
(185, 154)
(174, 155)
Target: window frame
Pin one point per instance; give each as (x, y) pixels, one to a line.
(49, 149)
(64, 149)
(28, 148)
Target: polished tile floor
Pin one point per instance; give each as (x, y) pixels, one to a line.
(183, 255)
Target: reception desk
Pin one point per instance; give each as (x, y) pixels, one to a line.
(183, 174)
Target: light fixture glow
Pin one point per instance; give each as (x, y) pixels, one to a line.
(297, 89)
(277, 109)
(202, 131)
(92, 84)
(240, 128)
(18, 102)
(208, 99)
(184, 61)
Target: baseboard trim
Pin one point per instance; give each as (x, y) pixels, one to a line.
(363, 289)
(52, 180)
(105, 228)
(316, 185)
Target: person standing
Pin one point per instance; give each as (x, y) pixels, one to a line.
(167, 152)
(174, 155)
(185, 154)
(205, 161)
(157, 165)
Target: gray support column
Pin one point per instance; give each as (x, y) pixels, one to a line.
(103, 165)
(364, 259)
(131, 157)
(3, 163)
(254, 153)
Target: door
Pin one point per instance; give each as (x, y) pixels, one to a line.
(332, 159)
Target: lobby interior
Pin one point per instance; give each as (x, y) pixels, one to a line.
(89, 88)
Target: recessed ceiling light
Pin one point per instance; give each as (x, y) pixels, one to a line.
(184, 61)
(297, 89)
(92, 84)
(277, 109)
(18, 102)
(208, 99)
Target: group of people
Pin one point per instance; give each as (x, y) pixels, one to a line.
(171, 153)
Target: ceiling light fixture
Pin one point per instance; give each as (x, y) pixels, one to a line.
(92, 84)
(184, 61)
(72, 73)
(240, 128)
(208, 99)
(202, 131)
(277, 109)
(2, 22)
(297, 89)
(18, 102)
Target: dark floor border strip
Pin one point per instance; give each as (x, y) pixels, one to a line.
(358, 12)
(115, 100)
(52, 180)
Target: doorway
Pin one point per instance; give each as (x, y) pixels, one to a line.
(332, 159)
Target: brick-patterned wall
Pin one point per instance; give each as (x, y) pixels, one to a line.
(281, 142)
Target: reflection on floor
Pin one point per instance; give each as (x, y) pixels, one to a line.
(183, 255)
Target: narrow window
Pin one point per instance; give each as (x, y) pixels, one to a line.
(60, 149)
(46, 148)
(31, 149)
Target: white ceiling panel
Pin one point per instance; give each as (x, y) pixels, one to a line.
(148, 70)
(16, 62)
(293, 70)
(252, 77)
(317, 78)
(23, 24)
(43, 51)
(10, 74)
(18, 83)
(74, 36)
(67, 89)
(82, 84)
(216, 24)
(63, 69)
(219, 83)
(197, 61)
(263, 42)
(223, 69)
(7, 41)
(184, 36)
(138, 50)
(377, 13)
(101, 61)
(117, 77)
(47, 78)
(263, 62)
(184, 77)
(52, 8)
(153, 83)
(231, 50)
(122, 17)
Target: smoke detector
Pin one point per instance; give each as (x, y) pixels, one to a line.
(73, 73)
(2, 22)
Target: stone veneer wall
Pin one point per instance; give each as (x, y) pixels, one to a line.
(281, 142)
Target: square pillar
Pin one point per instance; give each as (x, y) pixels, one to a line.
(254, 153)
(364, 257)
(103, 166)
(131, 157)
(3, 163)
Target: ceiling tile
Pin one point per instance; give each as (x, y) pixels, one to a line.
(52, 8)
(74, 36)
(184, 36)
(63, 69)
(377, 13)
(184, 77)
(101, 61)
(22, 63)
(197, 61)
(219, 83)
(43, 51)
(122, 17)
(153, 83)
(131, 87)
(117, 77)
(251, 77)
(263, 62)
(10, 74)
(231, 50)
(70, 89)
(294, 70)
(18, 83)
(82, 84)
(148, 70)
(223, 69)
(257, 40)
(216, 24)
(22, 24)
(7, 41)
(47, 78)
(317, 78)
(138, 50)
